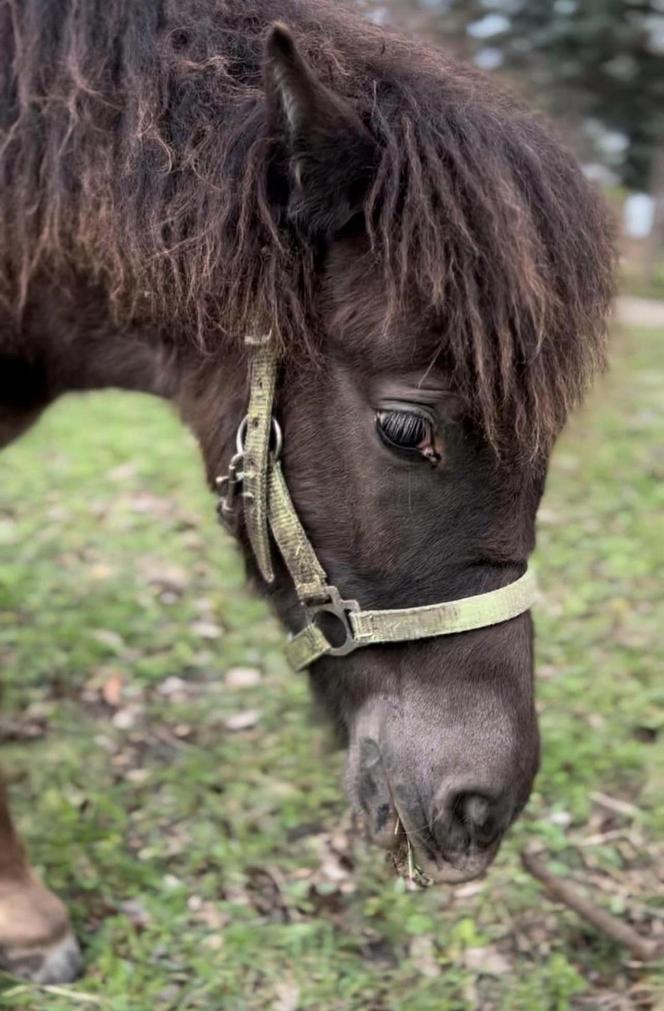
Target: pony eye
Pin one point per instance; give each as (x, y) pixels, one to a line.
(404, 430)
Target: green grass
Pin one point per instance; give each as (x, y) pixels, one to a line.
(212, 868)
(633, 282)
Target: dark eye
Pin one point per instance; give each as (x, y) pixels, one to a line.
(404, 429)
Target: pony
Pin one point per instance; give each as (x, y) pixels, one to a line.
(435, 274)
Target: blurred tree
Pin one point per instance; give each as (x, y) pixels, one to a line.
(597, 64)
(607, 56)
(601, 61)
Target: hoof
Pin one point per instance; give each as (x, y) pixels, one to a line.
(60, 962)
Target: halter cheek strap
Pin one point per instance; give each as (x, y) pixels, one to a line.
(334, 626)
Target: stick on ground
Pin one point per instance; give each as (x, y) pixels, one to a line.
(558, 888)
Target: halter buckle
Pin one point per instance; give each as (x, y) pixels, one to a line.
(229, 484)
(340, 610)
(228, 487)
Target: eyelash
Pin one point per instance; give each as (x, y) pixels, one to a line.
(406, 431)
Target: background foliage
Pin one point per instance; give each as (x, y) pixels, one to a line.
(596, 66)
(595, 62)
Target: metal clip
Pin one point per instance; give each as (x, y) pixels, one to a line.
(229, 484)
(229, 488)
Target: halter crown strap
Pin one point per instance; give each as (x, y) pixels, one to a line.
(268, 506)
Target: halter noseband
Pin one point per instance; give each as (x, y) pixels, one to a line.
(256, 470)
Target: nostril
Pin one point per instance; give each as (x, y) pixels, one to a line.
(476, 810)
(469, 819)
(483, 818)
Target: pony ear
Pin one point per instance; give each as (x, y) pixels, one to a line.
(332, 155)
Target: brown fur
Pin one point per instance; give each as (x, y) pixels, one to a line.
(134, 141)
(174, 174)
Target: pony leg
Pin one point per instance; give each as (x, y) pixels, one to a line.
(36, 940)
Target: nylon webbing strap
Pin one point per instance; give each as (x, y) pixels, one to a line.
(306, 571)
(306, 647)
(412, 623)
(462, 615)
(268, 506)
(257, 451)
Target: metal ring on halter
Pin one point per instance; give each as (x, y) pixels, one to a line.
(340, 610)
(277, 435)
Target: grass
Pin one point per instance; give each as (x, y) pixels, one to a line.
(633, 282)
(193, 819)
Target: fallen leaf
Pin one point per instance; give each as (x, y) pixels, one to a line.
(164, 575)
(136, 913)
(469, 890)
(563, 819)
(137, 776)
(214, 942)
(111, 691)
(123, 472)
(288, 997)
(423, 954)
(487, 961)
(101, 571)
(182, 730)
(146, 504)
(111, 640)
(208, 914)
(126, 718)
(243, 721)
(174, 687)
(207, 630)
(242, 677)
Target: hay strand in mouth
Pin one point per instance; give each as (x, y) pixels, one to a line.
(405, 863)
(411, 862)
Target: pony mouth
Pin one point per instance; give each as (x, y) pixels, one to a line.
(416, 855)
(420, 862)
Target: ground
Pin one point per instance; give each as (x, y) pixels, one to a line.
(173, 789)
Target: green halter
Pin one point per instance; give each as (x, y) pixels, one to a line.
(256, 469)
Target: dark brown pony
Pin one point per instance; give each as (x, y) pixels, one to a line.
(175, 174)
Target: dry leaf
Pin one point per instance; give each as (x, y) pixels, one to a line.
(136, 913)
(110, 639)
(288, 997)
(243, 721)
(207, 630)
(172, 687)
(164, 575)
(127, 718)
(423, 954)
(111, 690)
(242, 677)
(488, 961)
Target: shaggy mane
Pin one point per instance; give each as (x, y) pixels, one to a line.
(133, 151)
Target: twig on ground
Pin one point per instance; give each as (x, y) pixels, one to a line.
(622, 933)
(74, 996)
(615, 805)
(600, 838)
